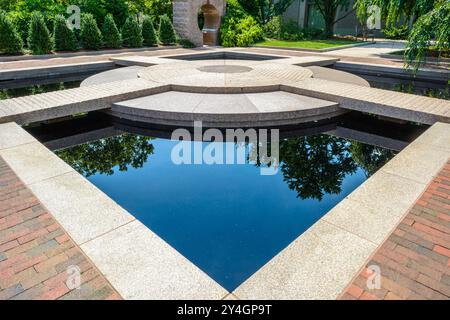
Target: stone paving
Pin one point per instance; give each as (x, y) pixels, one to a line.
(415, 260)
(36, 252)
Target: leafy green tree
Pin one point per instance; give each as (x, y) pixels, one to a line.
(238, 27)
(103, 156)
(132, 34)
(148, 32)
(153, 8)
(101, 8)
(167, 34)
(91, 36)
(431, 24)
(111, 35)
(64, 37)
(264, 10)
(370, 158)
(10, 41)
(39, 39)
(328, 10)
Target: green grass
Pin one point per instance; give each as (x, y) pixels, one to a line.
(306, 44)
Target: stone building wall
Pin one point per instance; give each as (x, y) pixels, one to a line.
(185, 17)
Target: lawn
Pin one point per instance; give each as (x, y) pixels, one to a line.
(307, 44)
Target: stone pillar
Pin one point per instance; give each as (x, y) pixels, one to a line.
(185, 13)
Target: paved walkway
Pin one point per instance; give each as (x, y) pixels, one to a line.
(35, 252)
(415, 260)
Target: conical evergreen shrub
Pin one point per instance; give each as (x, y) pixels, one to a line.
(132, 34)
(10, 40)
(91, 37)
(111, 35)
(65, 39)
(167, 33)
(39, 39)
(149, 32)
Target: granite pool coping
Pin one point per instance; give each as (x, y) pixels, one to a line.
(317, 265)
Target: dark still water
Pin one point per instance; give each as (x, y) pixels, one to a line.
(229, 220)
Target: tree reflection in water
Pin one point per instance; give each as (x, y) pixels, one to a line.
(103, 155)
(312, 166)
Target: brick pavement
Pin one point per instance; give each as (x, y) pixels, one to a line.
(415, 260)
(36, 252)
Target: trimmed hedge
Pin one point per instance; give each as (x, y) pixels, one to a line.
(149, 32)
(10, 41)
(167, 33)
(39, 39)
(132, 34)
(111, 35)
(65, 39)
(91, 36)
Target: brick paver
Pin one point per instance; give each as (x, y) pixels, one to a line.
(37, 257)
(414, 261)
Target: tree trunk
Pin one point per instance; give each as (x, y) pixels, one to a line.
(329, 13)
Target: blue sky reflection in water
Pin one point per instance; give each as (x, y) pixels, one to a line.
(229, 220)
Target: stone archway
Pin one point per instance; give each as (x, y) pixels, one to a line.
(185, 13)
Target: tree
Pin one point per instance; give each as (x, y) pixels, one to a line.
(103, 156)
(167, 33)
(111, 35)
(148, 32)
(101, 8)
(91, 36)
(132, 33)
(265, 10)
(431, 24)
(328, 10)
(39, 39)
(64, 37)
(10, 41)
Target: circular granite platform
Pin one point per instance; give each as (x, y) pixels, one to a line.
(225, 76)
(225, 93)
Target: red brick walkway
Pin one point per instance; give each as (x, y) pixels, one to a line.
(35, 252)
(415, 260)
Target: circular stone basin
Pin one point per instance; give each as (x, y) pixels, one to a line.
(225, 69)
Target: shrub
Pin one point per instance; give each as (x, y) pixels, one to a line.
(111, 35)
(167, 33)
(132, 34)
(148, 32)
(239, 28)
(64, 37)
(272, 29)
(10, 41)
(396, 33)
(185, 43)
(101, 8)
(39, 39)
(91, 36)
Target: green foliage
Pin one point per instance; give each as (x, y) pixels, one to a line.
(20, 11)
(111, 35)
(39, 39)
(328, 9)
(101, 8)
(185, 43)
(167, 34)
(264, 10)
(132, 34)
(433, 26)
(148, 32)
(397, 33)
(91, 36)
(65, 39)
(10, 41)
(103, 156)
(153, 8)
(272, 29)
(238, 28)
